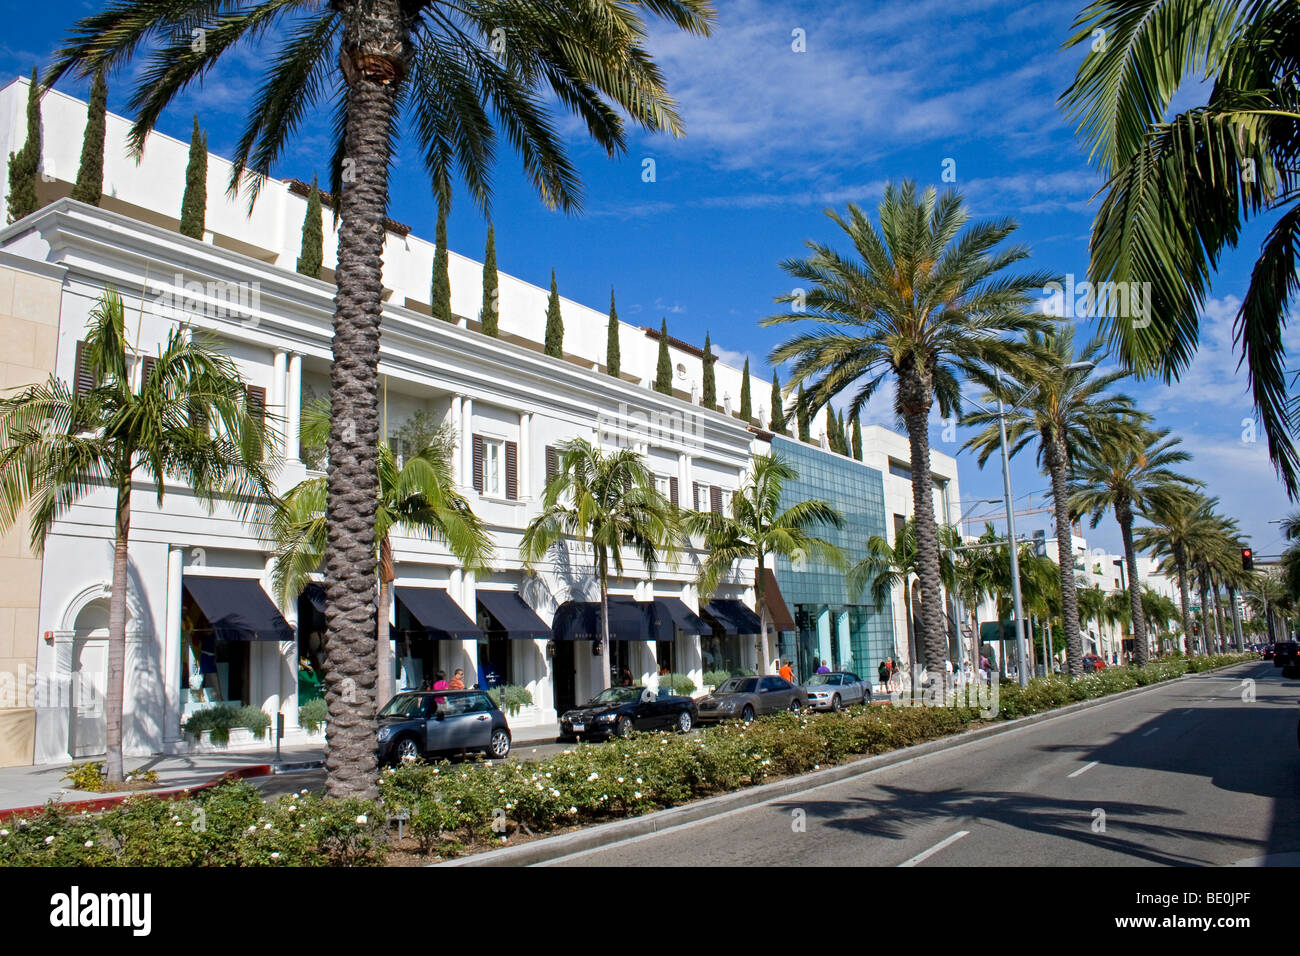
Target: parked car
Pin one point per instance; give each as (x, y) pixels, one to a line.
(1092, 662)
(750, 697)
(1268, 651)
(622, 710)
(1286, 654)
(832, 691)
(416, 724)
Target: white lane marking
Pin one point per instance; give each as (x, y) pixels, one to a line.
(1151, 731)
(1085, 768)
(926, 854)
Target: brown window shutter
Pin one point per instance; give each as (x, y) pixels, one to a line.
(84, 379)
(672, 491)
(478, 463)
(695, 495)
(146, 369)
(552, 464)
(715, 499)
(256, 401)
(512, 470)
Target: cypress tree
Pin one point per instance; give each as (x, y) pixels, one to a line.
(857, 437)
(746, 409)
(554, 322)
(832, 431)
(312, 258)
(489, 314)
(778, 408)
(613, 357)
(801, 413)
(664, 372)
(440, 293)
(24, 163)
(842, 435)
(90, 174)
(194, 204)
(710, 396)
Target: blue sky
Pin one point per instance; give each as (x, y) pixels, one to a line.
(881, 91)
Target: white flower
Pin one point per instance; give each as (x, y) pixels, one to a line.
(594, 776)
(571, 810)
(292, 808)
(254, 829)
(275, 856)
(637, 794)
(361, 819)
(4, 832)
(49, 840)
(620, 779)
(267, 827)
(638, 779)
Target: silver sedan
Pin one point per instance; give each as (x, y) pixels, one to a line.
(836, 689)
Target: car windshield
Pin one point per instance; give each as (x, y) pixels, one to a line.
(404, 705)
(823, 679)
(617, 695)
(738, 685)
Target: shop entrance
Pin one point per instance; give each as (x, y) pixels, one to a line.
(564, 670)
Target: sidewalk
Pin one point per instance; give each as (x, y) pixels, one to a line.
(37, 785)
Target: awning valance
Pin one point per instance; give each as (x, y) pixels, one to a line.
(733, 617)
(439, 615)
(513, 615)
(239, 609)
(672, 611)
(629, 620)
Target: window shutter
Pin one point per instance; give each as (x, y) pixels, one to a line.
(672, 491)
(552, 464)
(84, 379)
(478, 463)
(146, 368)
(715, 499)
(512, 470)
(256, 401)
(695, 496)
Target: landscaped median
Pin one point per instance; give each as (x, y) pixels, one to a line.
(447, 809)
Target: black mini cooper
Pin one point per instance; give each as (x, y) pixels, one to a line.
(417, 723)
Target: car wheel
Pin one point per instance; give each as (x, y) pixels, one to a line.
(406, 750)
(624, 726)
(499, 746)
(685, 722)
(794, 706)
(835, 703)
(747, 715)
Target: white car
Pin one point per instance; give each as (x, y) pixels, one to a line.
(836, 689)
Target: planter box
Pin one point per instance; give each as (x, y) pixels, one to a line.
(241, 738)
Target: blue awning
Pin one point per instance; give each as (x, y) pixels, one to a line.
(672, 611)
(513, 615)
(238, 609)
(733, 617)
(316, 594)
(629, 620)
(438, 614)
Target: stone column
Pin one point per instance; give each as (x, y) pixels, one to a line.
(293, 408)
(454, 418)
(467, 441)
(279, 387)
(173, 653)
(525, 453)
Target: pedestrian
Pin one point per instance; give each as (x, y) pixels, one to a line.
(625, 677)
(441, 682)
(823, 669)
(787, 671)
(883, 672)
(457, 681)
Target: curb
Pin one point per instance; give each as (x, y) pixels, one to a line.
(604, 834)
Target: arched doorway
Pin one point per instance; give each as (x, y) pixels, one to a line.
(88, 677)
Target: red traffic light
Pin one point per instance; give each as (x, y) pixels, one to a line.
(1247, 559)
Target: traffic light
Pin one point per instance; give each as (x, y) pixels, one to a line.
(1247, 559)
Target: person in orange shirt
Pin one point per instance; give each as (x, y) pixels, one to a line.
(457, 680)
(787, 671)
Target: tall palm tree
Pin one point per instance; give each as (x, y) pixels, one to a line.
(1157, 610)
(608, 499)
(1180, 528)
(1127, 477)
(417, 498)
(1181, 187)
(758, 527)
(188, 421)
(977, 579)
(1092, 606)
(921, 300)
(450, 72)
(1061, 404)
(888, 566)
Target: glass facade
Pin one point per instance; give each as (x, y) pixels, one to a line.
(848, 632)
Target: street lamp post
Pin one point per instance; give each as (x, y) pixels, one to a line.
(1022, 651)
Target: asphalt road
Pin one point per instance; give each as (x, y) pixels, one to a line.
(1190, 773)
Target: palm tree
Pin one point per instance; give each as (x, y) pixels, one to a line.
(1181, 187)
(1129, 477)
(757, 527)
(452, 73)
(920, 301)
(888, 566)
(187, 421)
(1062, 405)
(1180, 528)
(1157, 610)
(609, 500)
(417, 497)
(1092, 606)
(977, 579)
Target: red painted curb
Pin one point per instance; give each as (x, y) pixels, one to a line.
(103, 803)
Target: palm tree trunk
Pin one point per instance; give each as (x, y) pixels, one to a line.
(1124, 513)
(113, 692)
(915, 398)
(912, 670)
(1236, 619)
(1220, 627)
(604, 630)
(1065, 557)
(1184, 598)
(1205, 614)
(765, 660)
(373, 56)
(386, 686)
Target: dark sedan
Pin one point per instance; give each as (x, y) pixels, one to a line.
(750, 697)
(416, 724)
(622, 710)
